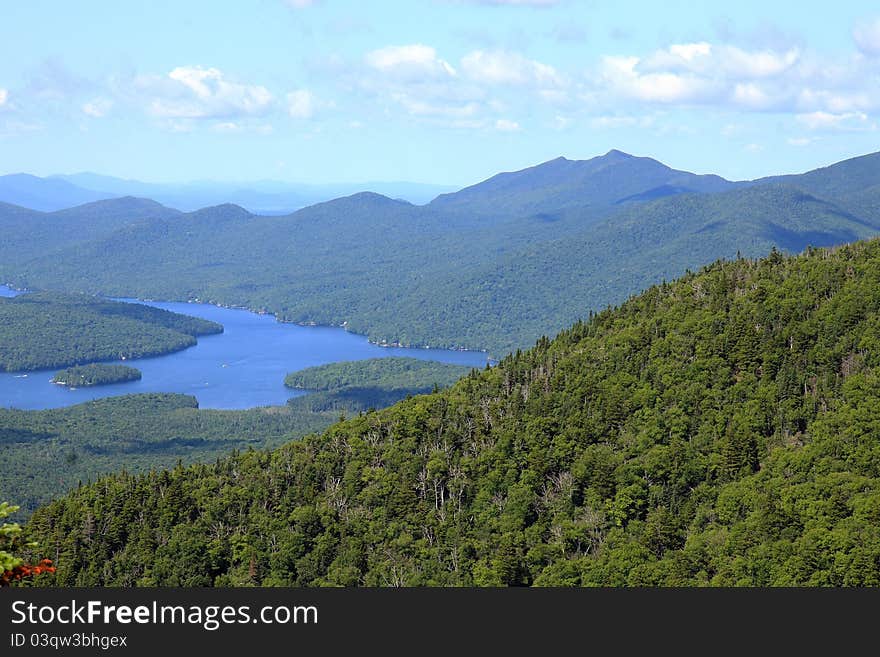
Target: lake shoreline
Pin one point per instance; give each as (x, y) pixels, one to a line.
(280, 320)
(243, 367)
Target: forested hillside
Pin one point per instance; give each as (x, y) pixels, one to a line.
(29, 234)
(43, 330)
(494, 266)
(720, 430)
(47, 453)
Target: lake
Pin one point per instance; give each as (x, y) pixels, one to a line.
(241, 368)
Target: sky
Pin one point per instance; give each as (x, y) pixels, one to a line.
(435, 91)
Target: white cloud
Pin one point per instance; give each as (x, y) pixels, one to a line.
(300, 4)
(303, 104)
(502, 67)
(752, 96)
(845, 122)
(506, 125)
(97, 108)
(799, 141)
(753, 148)
(867, 36)
(409, 62)
(423, 85)
(227, 126)
(622, 74)
(691, 51)
(756, 64)
(561, 122)
(727, 76)
(475, 93)
(193, 92)
(487, 84)
(4, 96)
(708, 59)
(836, 101)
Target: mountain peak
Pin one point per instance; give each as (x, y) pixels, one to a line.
(615, 154)
(44, 194)
(370, 196)
(128, 207)
(598, 183)
(121, 202)
(222, 212)
(370, 199)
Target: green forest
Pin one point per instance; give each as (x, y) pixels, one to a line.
(717, 430)
(493, 266)
(391, 373)
(42, 330)
(96, 374)
(46, 453)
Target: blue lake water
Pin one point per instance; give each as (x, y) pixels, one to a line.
(241, 368)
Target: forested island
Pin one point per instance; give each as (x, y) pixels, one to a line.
(42, 330)
(717, 430)
(389, 373)
(370, 384)
(96, 374)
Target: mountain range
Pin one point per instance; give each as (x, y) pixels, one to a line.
(265, 197)
(493, 266)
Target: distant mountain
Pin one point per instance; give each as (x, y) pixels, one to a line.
(109, 184)
(45, 194)
(839, 180)
(259, 197)
(29, 233)
(219, 213)
(494, 266)
(598, 184)
(853, 183)
(111, 210)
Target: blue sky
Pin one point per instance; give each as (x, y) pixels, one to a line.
(445, 91)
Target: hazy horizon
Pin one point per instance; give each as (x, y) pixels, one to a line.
(425, 183)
